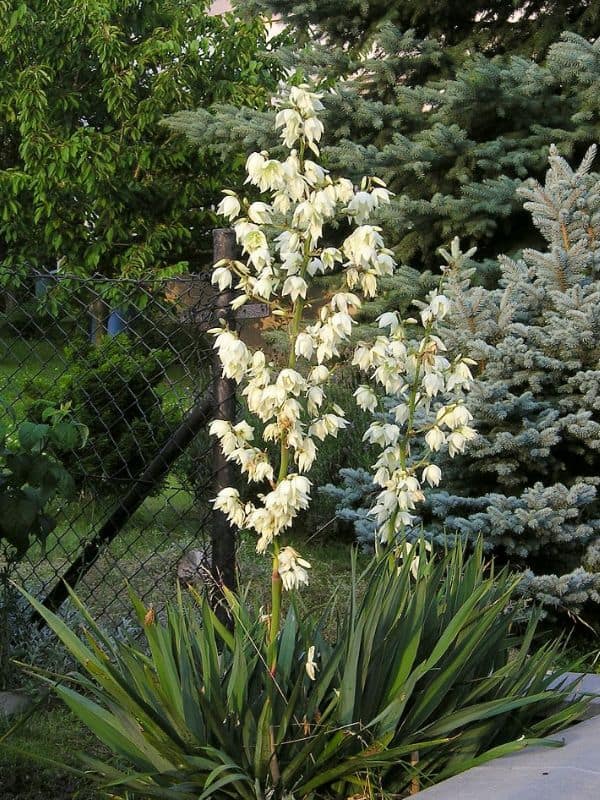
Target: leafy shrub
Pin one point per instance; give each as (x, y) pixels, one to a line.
(19, 314)
(32, 475)
(114, 389)
(28, 643)
(429, 674)
(36, 648)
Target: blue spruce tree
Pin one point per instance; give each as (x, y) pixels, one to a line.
(453, 105)
(529, 482)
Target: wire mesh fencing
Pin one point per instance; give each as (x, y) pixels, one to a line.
(132, 362)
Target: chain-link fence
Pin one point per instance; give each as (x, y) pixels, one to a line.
(134, 362)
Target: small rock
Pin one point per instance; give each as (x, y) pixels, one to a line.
(194, 566)
(13, 703)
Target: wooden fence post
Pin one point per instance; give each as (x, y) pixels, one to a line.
(223, 535)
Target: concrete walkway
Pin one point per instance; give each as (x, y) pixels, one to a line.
(571, 772)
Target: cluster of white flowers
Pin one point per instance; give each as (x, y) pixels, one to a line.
(304, 198)
(281, 241)
(422, 384)
(276, 512)
(235, 443)
(292, 568)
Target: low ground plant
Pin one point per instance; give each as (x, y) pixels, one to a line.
(428, 671)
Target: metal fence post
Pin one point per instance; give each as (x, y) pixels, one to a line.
(222, 534)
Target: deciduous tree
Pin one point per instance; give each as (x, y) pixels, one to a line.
(87, 173)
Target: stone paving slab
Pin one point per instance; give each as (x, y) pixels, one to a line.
(582, 683)
(571, 772)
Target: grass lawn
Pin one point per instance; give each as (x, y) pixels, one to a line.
(52, 733)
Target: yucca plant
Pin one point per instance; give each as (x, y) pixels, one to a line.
(429, 673)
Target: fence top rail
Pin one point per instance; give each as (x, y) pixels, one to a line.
(191, 277)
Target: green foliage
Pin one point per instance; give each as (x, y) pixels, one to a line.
(22, 641)
(32, 474)
(440, 664)
(577, 60)
(114, 391)
(88, 176)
